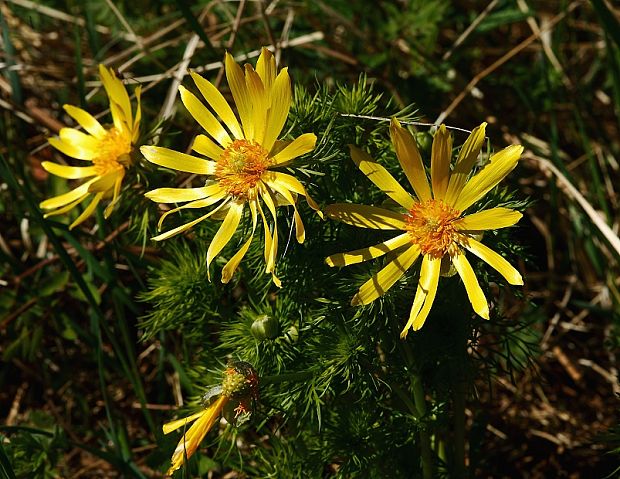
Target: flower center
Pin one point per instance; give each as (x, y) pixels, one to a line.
(241, 166)
(114, 151)
(431, 226)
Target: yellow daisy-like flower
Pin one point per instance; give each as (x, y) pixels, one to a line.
(108, 149)
(433, 224)
(241, 157)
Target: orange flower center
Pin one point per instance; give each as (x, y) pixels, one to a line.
(431, 226)
(241, 166)
(114, 149)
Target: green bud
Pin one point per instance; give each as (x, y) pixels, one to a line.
(293, 334)
(265, 327)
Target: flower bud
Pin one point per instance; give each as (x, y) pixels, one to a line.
(265, 327)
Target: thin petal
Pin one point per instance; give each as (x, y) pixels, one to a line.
(203, 116)
(180, 229)
(178, 161)
(136, 122)
(203, 203)
(382, 281)
(266, 69)
(490, 219)
(229, 269)
(116, 92)
(66, 198)
(281, 98)
(117, 189)
(236, 82)
(196, 433)
(74, 151)
(410, 160)
(425, 294)
(293, 184)
(381, 177)
(464, 163)
(174, 425)
(300, 232)
(299, 146)
(440, 162)
(207, 147)
(67, 207)
(87, 211)
(500, 164)
(226, 231)
(79, 139)
(365, 216)
(86, 120)
(219, 104)
(273, 250)
(178, 195)
(106, 182)
(365, 254)
(256, 91)
(489, 256)
(69, 172)
(474, 291)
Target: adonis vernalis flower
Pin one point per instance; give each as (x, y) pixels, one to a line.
(107, 148)
(433, 224)
(239, 386)
(241, 158)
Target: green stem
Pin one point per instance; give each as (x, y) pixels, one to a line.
(425, 440)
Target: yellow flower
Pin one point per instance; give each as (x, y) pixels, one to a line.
(433, 224)
(108, 149)
(241, 158)
(239, 385)
(190, 441)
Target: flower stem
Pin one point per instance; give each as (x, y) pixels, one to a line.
(425, 440)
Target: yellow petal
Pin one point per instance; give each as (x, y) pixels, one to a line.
(226, 231)
(440, 162)
(256, 91)
(70, 172)
(281, 98)
(271, 250)
(365, 216)
(117, 189)
(177, 195)
(86, 120)
(381, 177)
(207, 147)
(74, 151)
(266, 69)
(106, 182)
(219, 104)
(79, 139)
(500, 164)
(116, 93)
(425, 294)
(380, 282)
(474, 292)
(87, 211)
(299, 146)
(118, 118)
(203, 116)
(229, 269)
(489, 256)
(203, 203)
(490, 219)
(174, 425)
(195, 434)
(236, 82)
(365, 254)
(67, 207)
(178, 161)
(180, 229)
(293, 184)
(410, 160)
(300, 232)
(66, 198)
(464, 163)
(136, 122)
